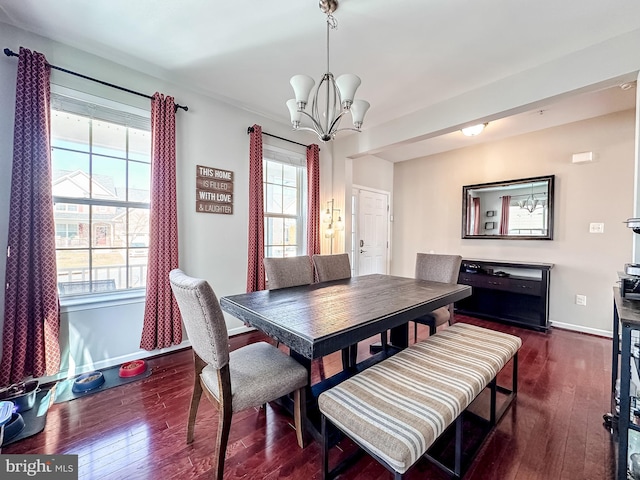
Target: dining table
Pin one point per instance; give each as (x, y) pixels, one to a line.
(322, 318)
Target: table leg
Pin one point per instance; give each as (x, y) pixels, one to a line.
(400, 336)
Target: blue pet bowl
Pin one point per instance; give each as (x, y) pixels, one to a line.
(13, 427)
(87, 381)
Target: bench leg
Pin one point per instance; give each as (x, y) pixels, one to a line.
(492, 414)
(457, 468)
(515, 374)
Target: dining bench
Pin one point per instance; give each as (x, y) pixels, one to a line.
(396, 409)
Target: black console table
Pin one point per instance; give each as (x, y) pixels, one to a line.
(514, 292)
(624, 417)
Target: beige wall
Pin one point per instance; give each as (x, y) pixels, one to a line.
(428, 197)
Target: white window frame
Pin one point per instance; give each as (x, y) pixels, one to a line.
(298, 160)
(129, 116)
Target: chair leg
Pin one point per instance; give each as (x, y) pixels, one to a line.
(224, 427)
(320, 363)
(415, 332)
(193, 410)
(299, 414)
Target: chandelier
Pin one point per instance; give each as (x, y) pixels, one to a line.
(531, 202)
(334, 96)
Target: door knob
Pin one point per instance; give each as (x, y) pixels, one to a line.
(363, 251)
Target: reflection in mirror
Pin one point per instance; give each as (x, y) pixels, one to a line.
(516, 209)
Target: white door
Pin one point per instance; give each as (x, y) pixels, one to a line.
(372, 231)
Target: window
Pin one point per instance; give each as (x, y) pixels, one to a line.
(285, 202)
(523, 222)
(101, 171)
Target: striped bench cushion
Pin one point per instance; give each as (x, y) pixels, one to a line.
(397, 408)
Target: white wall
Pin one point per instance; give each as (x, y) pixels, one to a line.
(211, 246)
(428, 210)
(373, 172)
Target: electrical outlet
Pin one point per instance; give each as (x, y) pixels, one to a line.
(596, 228)
(581, 300)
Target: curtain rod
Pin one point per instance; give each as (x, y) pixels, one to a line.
(250, 130)
(538, 194)
(10, 53)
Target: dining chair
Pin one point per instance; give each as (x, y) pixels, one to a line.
(338, 267)
(290, 272)
(332, 267)
(436, 268)
(233, 381)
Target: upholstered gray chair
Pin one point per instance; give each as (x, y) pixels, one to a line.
(288, 272)
(338, 267)
(233, 381)
(291, 272)
(332, 267)
(437, 268)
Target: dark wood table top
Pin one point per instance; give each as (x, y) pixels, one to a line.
(319, 319)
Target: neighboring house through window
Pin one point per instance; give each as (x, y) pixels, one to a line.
(523, 222)
(285, 202)
(101, 171)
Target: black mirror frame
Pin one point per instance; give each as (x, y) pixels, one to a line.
(550, 179)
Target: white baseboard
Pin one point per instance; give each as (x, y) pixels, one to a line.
(110, 362)
(581, 329)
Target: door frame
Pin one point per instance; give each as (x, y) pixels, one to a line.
(355, 225)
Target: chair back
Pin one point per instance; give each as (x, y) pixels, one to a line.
(438, 268)
(202, 317)
(332, 267)
(288, 272)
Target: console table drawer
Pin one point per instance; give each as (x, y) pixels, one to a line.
(516, 285)
(528, 287)
(473, 279)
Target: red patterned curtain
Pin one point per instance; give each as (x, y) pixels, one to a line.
(162, 322)
(504, 215)
(476, 215)
(313, 203)
(31, 311)
(255, 254)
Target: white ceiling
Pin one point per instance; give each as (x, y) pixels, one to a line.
(410, 54)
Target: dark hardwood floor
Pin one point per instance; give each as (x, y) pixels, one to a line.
(138, 431)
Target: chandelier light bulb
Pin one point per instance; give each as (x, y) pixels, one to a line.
(292, 105)
(358, 110)
(302, 85)
(347, 85)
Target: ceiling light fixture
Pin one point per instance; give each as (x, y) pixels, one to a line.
(474, 130)
(335, 95)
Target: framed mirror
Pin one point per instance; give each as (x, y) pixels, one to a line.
(515, 209)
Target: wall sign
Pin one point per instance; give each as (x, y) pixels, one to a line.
(214, 190)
